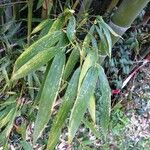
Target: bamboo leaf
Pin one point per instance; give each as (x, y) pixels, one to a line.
(87, 40)
(105, 25)
(39, 4)
(92, 127)
(82, 100)
(42, 25)
(49, 94)
(37, 61)
(109, 41)
(44, 43)
(71, 28)
(105, 101)
(26, 145)
(72, 60)
(7, 118)
(92, 108)
(62, 114)
(103, 46)
(90, 60)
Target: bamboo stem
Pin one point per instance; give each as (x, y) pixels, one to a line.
(128, 11)
(125, 15)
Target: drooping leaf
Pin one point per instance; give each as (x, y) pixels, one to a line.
(7, 118)
(37, 61)
(44, 43)
(103, 46)
(92, 108)
(90, 60)
(82, 100)
(92, 127)
(71, 28)
(87, 41)
(49, 94)
(104, 24)
(64, 109)
(72, 60)
(26, 145)
(105, 101)
(39, 4)
(42, 25)
(109, 41)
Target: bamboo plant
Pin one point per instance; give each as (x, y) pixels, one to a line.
(78, 74)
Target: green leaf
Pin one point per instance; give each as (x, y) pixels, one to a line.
(64, 109)
(82, 100)
(87, 41)
(92, 108)
(92, 127)
(105, 101)
(49, 94)
(42, 44)
(103, 46)
(42, 25)
(90, 60)
(39, 4)
(71, 28)
(109, 41)
(7, 118)
(37, 61)
(26, 145)
(72, 61)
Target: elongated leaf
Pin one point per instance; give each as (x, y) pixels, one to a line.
(6, 119)
(62, 114)
(104, 24)
(71, 28)
(82, 100)
(105, 101)
(87, 41)
(61, 21)
(26, 145)
(108, 38)
(4, 135)
(58, 24)
(92, 127)
(41, 25)
(49, 94)
(72, 61)
(42, 44)
(5, 111)
(37, 61)
(103, 46)
(92, 108)
(90, 60)
(39, 4)
(109, 41)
